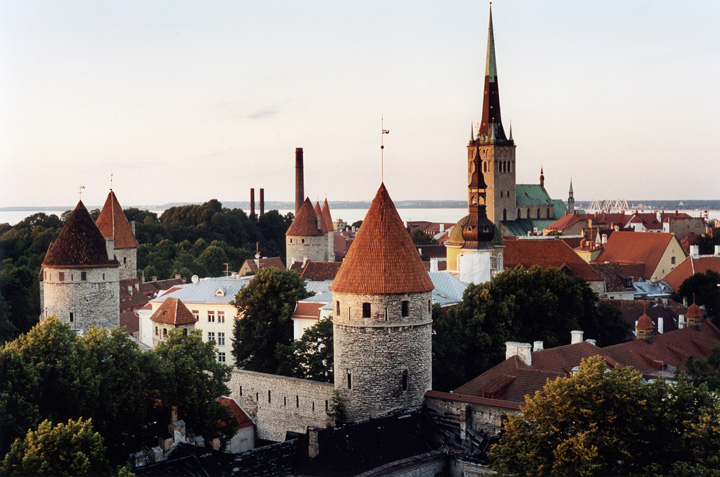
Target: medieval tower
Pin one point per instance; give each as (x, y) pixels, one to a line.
(113, 223)
(79, 276)
(305, 239)
(382, 320)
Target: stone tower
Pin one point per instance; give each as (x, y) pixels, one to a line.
(79, 276)
(304, 239)
(571, 200)
(495, 151)
(113, 223)
(382, 321)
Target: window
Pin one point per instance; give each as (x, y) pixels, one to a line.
(366, 310)
(284, 400)
(164, 332)
(221, 339)
(337, 307)
(185, 331)
(240, 391)
(211, 336)
(672, 260)
(297, 401)
(103, 277)
(404, 381)
(124, 260)
(269, 397)
(62, 276)
(83, 275)
(429, 306)
(405, 308)
(221, 357)
(221, 316)
(156, 331)
(71, 317)
(196, 315)
(349, 379)
(302, 240)
(211, 317)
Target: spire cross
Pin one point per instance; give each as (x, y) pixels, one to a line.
(383, 131)
(80, 189)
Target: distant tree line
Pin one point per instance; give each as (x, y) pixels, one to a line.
(187, 240)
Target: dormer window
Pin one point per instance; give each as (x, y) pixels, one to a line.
(220, 292)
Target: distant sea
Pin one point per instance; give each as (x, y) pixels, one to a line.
(349, 215)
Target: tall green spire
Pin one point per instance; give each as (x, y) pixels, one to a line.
(490, 68)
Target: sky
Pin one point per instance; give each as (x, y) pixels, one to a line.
(188, 101)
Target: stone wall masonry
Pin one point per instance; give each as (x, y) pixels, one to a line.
(127, 257)
(310, 248)
(94, 301)
(280, 404)
(383, 363)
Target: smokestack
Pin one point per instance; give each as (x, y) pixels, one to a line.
(299, 179)
(262, 201)
(252, 201)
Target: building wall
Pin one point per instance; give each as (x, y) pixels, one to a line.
(673, 256)
(243, 440)
(330, 250)
(94, 301)
(382, 363)
(279, 404)
(681, 227)
(128, 262)
(161, 330)
(598, 286)
(310, 248)
(498, 167)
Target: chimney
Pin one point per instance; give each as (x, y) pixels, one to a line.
(252, 201)
(576, 336)
(142, 277)
(717, 250)
(110, 247)
(660, 325)
(592, 342)
(178, 276)
(304, 262)
(299, 179)
(695, 250)
(130, 289)
(433, 265)
(538, 346)
(681, 322)
(154, 278)
(262, 201)
(521, 350)
(132, 226)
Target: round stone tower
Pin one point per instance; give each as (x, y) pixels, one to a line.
(113, 223)
(79, 277)
(304, 239)
(382, 320)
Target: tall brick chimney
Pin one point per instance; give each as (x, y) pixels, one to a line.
(252, 201)
(299, 179)
(262, 201)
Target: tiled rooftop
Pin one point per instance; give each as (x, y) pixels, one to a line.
(305, 223)
(547, 253)
(113, 223)
(636, 247)
(173, 312)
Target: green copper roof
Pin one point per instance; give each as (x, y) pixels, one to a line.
(490, 69)
(523, 226)
(532, 194)
(559, 208)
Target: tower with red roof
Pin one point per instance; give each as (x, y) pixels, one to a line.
(113, 223)
(310, 236)
(382, 320)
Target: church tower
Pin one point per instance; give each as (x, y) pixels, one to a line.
(79, 276)
(571, 200)
(382, 318)
(495, 151)
(113, 223)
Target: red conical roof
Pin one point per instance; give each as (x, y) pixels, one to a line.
(79, 244)
(113, 223)
(693, 310)
(382, 258)
(645, 322)
(173, 312)
(327, 216)
(305, 224)
(321, 217)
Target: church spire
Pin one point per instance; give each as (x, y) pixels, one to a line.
(491, 125)
(571, 200)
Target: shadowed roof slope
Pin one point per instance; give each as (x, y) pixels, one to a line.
(305, 222)
(79, 244)
(547, 253)
(636, 247)
(383, 258)
(173, 312)
(113, 223)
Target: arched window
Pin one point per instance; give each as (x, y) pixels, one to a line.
(504, 214)
(518, 214)
(538, 213)
(404, 381)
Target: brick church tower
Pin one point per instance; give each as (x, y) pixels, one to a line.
(382, 320)
(492, 147)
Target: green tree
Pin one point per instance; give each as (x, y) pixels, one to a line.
(705, 288)
(66, 449)
(310, 357)
(600, 422)
(195, 380)
(706, 370)
(518, 305)
(265, 306)
(19, 388)
(419, 237)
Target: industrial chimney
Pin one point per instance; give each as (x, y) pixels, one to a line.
(299, 179)
(262, 201)
(252, 201)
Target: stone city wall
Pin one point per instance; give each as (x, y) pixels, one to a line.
(127, 257)
(280, 404)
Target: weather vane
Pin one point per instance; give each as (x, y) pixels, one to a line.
(382, 149)
(80, 189)
(111, 178)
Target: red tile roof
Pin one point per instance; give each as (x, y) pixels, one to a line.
(615, 277)
(79, 244)
(317, 271)
(113, 223)
(645, 248)
(243, 419)
(326, 215)
(597, 219)
(173, 312)
(130, 320)
(383, 258)
(305, 223)
(266, 262)
(689, 267)
(547, 253)
(142, 292)
(307, 310)
(512, 379)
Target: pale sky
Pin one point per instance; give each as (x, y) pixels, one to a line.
(189, 101)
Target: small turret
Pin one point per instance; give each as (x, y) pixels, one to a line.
(571, 200)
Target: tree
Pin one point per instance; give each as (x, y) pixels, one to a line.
(265, 306)
(66, 449)
(310, 357)
(195, 379)
(704, 288)
(517, 305)
(20, 387)
(706, 370)
(600, 422)
(419, 237)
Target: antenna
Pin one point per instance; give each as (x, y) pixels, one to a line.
(382, 149)
(80, 189)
